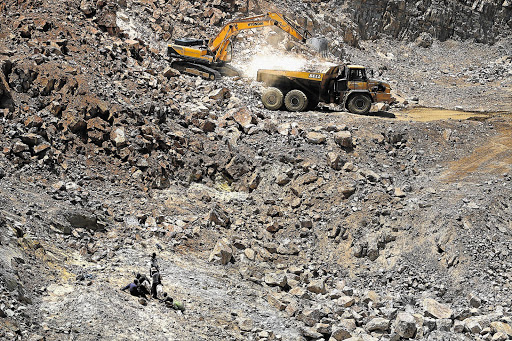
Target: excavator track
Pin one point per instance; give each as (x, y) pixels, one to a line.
(194, 69)
(228, 70)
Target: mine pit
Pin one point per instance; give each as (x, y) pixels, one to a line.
(300, 224)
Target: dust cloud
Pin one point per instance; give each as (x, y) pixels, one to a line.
(270, 59)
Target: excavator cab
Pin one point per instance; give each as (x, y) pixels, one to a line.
(227, 54)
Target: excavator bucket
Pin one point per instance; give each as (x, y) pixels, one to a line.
(319, 44)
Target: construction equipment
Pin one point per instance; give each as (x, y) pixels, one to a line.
(346, 85)
(209, 59)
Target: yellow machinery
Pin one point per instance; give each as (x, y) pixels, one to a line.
(208, 58)
(346, 85)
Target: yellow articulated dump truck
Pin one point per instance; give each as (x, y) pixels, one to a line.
(346, 85)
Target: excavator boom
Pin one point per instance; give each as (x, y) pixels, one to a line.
(220, 43)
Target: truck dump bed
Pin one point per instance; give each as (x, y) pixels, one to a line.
(309, 82)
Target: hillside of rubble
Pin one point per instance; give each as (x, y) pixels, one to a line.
(268, 225)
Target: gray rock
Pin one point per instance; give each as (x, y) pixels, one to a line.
(311, 333)
(346, 301)
(436, 309)
(222, 252)
(170, 72)
(19, 147)
(317, 286)
(118, 137)
(335, 161)
(82, 219)
(275, 300)
(444, 325)
(245, 324)
(322, 328)
(377, 324)
(315, 138)
(429, 323)
(474, 301)
(344, 139)
(458, 326)
(311, 316)
(276, 279)
(219, 216)
(476, 324)
(220, 93)
(373, 250)
(424, 40)
(501, 327)
(405, 325)
(340, 333)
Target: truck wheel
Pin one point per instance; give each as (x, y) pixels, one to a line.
(359, 104)
(272, 98)
(296, 100)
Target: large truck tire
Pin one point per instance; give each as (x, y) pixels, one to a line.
(272, 98)
(359, 104)
(296, 100)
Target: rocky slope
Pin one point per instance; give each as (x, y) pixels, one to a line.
(268, 225)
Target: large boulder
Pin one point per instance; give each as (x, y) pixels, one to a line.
(219, 216)
(118, 136)
(317, 286)
(343, 139)
(222, 253)
(64, 221)
(244, 118)
(436, 309)
(501, 327)
(405, 325)
(476, 324)
(237, 167)
(340, 333)
(314, 137)
(276, 279)
(97, 129)
(311, 316)
(6, 101)
(378, 324)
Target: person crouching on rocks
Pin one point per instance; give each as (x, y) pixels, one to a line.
(167, 300)
(134, 289)
(145, 285)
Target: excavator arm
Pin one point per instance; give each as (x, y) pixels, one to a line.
(220, 44)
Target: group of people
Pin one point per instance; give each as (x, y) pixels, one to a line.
(143, 287)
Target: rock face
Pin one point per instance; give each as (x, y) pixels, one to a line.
(483, 20)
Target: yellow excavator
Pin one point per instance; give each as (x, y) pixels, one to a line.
(209, 58)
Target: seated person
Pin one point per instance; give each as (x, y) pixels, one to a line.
(133, 287)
